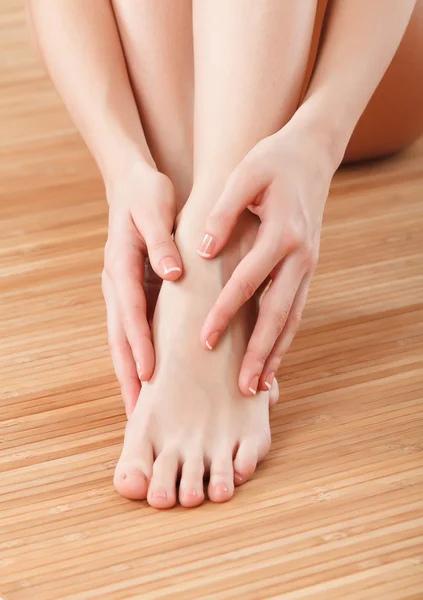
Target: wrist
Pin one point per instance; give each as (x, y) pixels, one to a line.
(134, 168)
(325, 131)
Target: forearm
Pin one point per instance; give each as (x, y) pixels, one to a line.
(361, 39)
(80, 46)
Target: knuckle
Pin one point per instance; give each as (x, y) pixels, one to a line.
(246, 287)
(279, 318)
(157, 245)
(112, 260)
(293, 237)
(296, 321)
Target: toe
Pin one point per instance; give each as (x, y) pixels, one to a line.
(245, 462)
(134, 467)
(274, 393)
(221, 485)
(191, 488)
(162, 488)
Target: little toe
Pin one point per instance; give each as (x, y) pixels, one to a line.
(245, 462)
(191, 488)
(162, 488)
(133, 472)
(221, 484)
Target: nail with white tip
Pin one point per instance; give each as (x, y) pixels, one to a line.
(269, 380)
(168, 265)
(139, 372)
(253, 385)
(206, 247)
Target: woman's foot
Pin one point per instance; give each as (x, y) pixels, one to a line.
(191, 421)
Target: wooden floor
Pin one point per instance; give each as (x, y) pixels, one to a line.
(335, 512)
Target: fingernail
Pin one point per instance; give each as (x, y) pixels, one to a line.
(159, 494)
(269, 379)
(206, 247)
(211, 341)
(253, 385)
(168, 265)
(238, 478)
(139, 372)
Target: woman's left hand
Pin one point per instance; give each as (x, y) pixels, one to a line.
(285, 181)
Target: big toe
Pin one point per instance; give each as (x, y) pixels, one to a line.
(134, 467)
(130, 480)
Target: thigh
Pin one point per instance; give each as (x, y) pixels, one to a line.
(393, 118)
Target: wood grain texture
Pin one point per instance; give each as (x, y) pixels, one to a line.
(335, 512)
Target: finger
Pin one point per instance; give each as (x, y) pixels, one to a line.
(120, 350)
(245, 280)
(163, 254)
(124, 264)
(271, 321)
(156, 227)
(285, 339)
(242, 188)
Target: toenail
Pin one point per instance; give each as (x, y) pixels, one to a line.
(206, 247)
(191, 492)
(269, 380)
(253, 385)
(159, 495)
(238, 478)
(211, 341)
(221, 488)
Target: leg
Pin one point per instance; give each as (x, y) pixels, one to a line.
(157, 40)
(192, 415)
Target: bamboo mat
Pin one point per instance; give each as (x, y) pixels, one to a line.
(335, 512)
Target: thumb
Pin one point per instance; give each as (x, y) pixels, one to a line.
(163, 254)
(241, 189)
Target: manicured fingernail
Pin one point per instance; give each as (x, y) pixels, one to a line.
(238, 478)
(253, 385)
(168, 265)
(212, 340)
(139, 372)
(159, 494)
(206, 247)
(269, 380)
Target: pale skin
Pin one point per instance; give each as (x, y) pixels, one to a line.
(206, 412)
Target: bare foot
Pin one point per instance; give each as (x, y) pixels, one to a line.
(191, 420)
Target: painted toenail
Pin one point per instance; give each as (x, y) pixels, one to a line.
(253, 385)
(221, 488)
(206, 247)
(168, 265)
(159, 495)
(211, 341)
(269, 380)
(238, 478)
(139, 372)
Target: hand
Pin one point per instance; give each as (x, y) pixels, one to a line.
(141, 220)
(284, 180)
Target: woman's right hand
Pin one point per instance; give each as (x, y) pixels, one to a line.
(142, 211)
